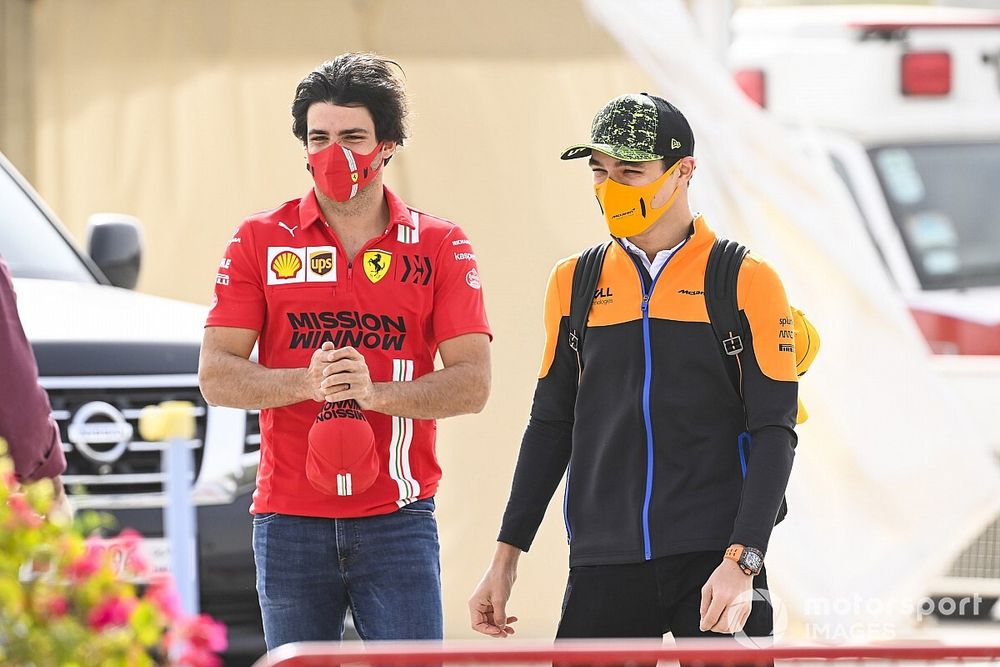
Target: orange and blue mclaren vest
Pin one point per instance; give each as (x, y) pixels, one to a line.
(647, 432)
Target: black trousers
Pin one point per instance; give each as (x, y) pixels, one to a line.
(650, 599)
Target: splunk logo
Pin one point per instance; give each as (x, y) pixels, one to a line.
(346, 328)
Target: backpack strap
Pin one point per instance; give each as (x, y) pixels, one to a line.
(721, 274)
(585, 276)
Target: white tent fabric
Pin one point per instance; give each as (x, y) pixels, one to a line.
(889, 481)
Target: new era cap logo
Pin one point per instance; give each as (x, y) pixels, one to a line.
(674, 144)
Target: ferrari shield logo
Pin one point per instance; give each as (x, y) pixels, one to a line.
(377, 264)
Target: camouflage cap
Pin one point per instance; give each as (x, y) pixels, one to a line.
(637, 128)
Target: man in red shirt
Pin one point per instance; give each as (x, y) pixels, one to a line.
(349, 295)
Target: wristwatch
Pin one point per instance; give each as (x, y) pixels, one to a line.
(749, 559)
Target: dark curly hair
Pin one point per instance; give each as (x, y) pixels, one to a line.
(355, 79)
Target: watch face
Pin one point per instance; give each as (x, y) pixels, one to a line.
(752, 561)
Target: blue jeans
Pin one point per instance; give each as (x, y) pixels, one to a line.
(386, 569)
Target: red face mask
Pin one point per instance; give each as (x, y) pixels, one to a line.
(340, 173)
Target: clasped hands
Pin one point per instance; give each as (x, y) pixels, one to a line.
(336, 375)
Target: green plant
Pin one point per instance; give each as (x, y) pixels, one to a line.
(65, 598)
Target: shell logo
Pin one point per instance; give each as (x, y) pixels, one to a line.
(286, 265)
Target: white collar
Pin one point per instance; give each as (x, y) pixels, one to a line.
(659, 261)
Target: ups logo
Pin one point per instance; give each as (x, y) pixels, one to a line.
(321, 263)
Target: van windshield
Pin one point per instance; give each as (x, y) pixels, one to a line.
(29, 243)
(945, 199)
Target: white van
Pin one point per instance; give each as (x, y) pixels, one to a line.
(104, 352)
(905, 102)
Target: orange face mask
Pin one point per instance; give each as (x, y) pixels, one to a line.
(628, 209)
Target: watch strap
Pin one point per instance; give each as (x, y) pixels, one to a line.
(741, 555)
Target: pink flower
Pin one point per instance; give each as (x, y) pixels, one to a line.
(135, 560)
(162, 594)
(196, 658)
(57, 606)
(23, 511)
(112, 612)
(196, 640)
(87, 564)
(130, 537)
(137, 564)
(205, 632)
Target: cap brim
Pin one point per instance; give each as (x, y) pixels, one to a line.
(623, 153)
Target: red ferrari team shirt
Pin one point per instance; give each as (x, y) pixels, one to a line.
(286, 276)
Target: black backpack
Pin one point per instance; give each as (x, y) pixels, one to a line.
(721, 275)
(723, 269)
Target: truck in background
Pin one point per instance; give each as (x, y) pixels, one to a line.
(105, 352)
(905, 103)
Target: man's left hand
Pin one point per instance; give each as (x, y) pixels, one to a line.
(726, 599)
(347, 377)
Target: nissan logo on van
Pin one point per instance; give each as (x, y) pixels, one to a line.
(100, 423)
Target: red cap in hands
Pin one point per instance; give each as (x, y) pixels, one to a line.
(341, 460)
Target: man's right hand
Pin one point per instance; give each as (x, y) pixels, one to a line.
(321, 358)
(488, 604)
